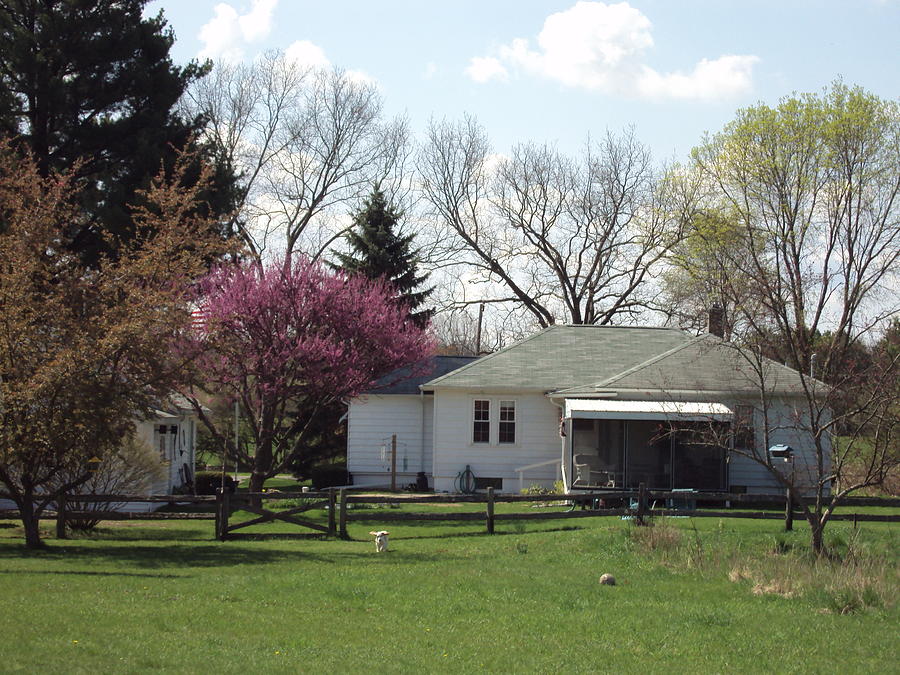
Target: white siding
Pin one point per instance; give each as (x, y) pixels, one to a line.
(537, 440)
(180, 451)
(372, 420)
(787, 426)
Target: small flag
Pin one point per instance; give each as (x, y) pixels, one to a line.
(199, 318)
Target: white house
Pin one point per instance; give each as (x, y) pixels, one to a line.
(592, 406)
(171, 430)
(398, 407)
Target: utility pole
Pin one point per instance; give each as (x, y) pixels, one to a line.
(478, 329)
(393, 462)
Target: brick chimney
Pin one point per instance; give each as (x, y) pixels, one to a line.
(716, 320)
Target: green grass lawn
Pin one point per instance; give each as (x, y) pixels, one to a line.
(693, 595)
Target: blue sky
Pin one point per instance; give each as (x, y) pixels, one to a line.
(558, 71)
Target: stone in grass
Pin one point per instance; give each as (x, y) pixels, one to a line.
(608, 580)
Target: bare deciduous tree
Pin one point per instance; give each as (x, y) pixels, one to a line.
(305, 143)
(562, 238)
(467, 331)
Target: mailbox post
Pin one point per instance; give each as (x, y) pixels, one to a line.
(786, 453)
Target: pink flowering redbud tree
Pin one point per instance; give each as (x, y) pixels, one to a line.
(286, 341)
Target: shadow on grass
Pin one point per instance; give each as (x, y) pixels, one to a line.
(224, 554)
(143, 534)
(66, 573)
(82, 553)
(482, 533)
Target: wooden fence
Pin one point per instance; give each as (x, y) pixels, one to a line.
(227, 504)
(638, 504)
(641, 504)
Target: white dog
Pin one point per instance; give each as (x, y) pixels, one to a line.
(381, 541)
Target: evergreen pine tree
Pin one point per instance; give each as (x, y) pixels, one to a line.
(377, 251)
(90, 84)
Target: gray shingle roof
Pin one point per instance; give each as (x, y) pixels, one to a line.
(705, 363)
(559, 357)
(403, 381)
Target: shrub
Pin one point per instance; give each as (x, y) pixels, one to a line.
(206, 482)
(537, 490)
(328, 475)
(131, 469)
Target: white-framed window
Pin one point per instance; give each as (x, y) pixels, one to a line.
(166, 441)
(507, 431)
(494, 421)
(744, 434)
(481, 421)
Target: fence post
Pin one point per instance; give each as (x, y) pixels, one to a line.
(342, 530)
(490, 510)
(218, 513)
(223, 513)
(331, 505)
(61, 516)
(788, 511)
(226, 510)
(642, 503)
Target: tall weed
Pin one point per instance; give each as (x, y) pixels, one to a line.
(852, 578)
(657, 537)
(851, 584)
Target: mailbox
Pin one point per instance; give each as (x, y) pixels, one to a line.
(784, 452)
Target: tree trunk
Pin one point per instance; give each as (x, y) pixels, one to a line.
(817, 536)
(257, 480)
(31, 522)
(262, 467)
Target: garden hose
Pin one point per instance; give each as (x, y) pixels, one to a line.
(465, 481)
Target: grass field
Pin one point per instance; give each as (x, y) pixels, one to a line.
(693, 595)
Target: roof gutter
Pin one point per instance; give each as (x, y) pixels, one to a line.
(666, 392)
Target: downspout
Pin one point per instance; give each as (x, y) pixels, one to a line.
(422, 432)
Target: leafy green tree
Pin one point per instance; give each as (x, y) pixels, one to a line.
(89, 85)
(700, 272)
(84, 352)
(379, 252)
(813, 187)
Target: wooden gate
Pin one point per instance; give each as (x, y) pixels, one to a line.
(227, 504)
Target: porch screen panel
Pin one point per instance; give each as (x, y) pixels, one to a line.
(611, 446)
(699, 458)
(649, 455)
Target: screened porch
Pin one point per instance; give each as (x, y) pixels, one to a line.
(621, 444)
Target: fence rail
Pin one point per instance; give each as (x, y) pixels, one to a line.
(638, 504)
(641, 505)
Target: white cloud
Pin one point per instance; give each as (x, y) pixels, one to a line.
(725, 77)
(228, 32)
(361, 77)
(305, 53)
(602, 47)
(430, 70)
(257, 23)
(484, 69)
